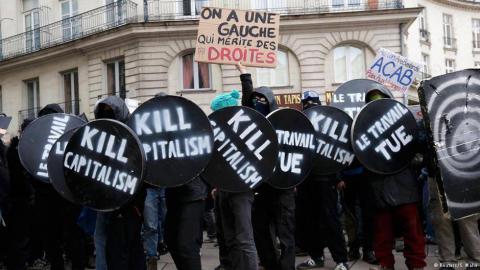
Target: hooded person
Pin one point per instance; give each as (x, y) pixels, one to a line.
(234, 215)
(120, 247)
(318, 219)
(396, 197)
(19, 213)
(273, 213)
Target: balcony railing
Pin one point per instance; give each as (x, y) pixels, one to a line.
(72, 107)
(125, 11)
(182, 9)
(425, 35)
(78, 26)
(450, 43)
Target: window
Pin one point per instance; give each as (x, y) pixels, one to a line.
(193, 7)
(275, 76)
(116, 78)
(71, 26)
(345, 3)
(476, 33)
(425, 64)
(33, 97)
(196, 76)
(70, 91)
(32, 30)
(448, 40)
(424, 34)
(268, 4)
(349, 63)
(449, 65)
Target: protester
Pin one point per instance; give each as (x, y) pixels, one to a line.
(19, 214)
(317, 199)
(358, 196)
(273, 209)
(234, 215)
(183, 224)
(118, 234)
(396, 197)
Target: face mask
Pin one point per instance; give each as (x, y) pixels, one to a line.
(106, 114)
(261, 108)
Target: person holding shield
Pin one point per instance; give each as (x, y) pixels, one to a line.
(273, 209)
(317, 212)
(396, 197)
(234, 215)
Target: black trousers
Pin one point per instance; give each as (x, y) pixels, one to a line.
(274, 216)
(319, 219)
(235, 215)
(18, 222)
(183, 233)
(124, 247)
(357, 193)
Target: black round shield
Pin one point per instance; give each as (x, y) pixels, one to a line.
(38, 138)
(55, 166)
(384, 135)
(350, 96)
(296, 146)
(103, 164)
(246, 149)
(177, 139)
(333, 147)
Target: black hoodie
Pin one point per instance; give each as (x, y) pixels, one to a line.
(49, 109)
(394, 189)
(248, 92)
(121, 113)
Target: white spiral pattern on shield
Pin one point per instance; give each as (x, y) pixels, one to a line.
(458, 147)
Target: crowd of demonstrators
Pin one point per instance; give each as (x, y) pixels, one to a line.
(257, 229)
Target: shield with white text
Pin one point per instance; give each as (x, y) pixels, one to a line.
(245, 149)
(296, 146)
(384, 136)
(103, 164)
(177, 139)
(333, 148)
(38, 138)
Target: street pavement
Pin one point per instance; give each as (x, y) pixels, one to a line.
(210, 260)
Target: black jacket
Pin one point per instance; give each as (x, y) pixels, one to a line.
(248, 91)
(21, 188)
(49, 109)
(4, 179)
(395, 189)
(194, 190)
(121, 113)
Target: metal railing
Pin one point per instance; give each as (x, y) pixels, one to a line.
(78, 26)
(158, 10)
(72, 107)
(425, 35)
(449, 43)
(125, 11)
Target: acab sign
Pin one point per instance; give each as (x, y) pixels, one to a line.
(393, 70)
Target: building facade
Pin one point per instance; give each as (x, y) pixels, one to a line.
(74, 52)
(445, 37)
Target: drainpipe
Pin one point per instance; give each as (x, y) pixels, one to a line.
(402, 52)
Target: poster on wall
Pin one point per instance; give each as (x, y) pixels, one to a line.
(451, 109)
(228, 36)
(393, 70)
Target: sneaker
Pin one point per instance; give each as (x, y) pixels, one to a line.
(341, 266)
(311, 263)
(369, 257)
(353, 254)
